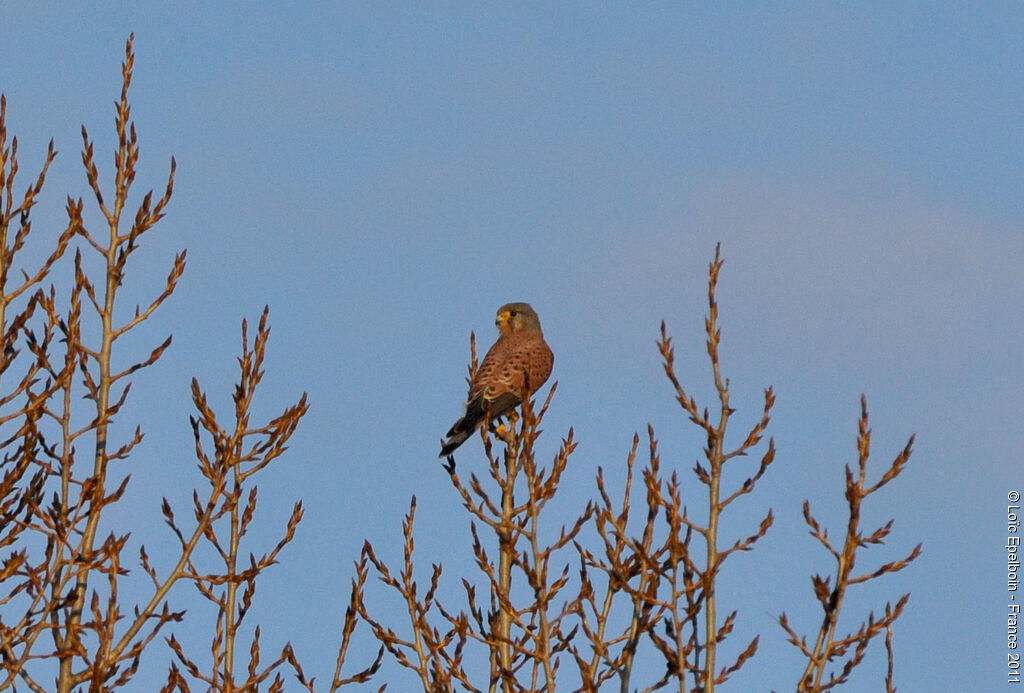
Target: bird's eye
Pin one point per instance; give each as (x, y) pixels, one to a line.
(511, 313)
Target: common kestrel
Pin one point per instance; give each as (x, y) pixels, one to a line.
(514, 368)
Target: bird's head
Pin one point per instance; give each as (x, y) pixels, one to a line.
(517, 317)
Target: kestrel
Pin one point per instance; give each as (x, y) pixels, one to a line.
(513, 369)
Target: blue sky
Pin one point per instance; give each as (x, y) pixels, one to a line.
(384, 177)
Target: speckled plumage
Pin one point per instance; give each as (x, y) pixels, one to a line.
(515, 367)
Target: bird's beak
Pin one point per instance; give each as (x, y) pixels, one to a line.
(502, 319)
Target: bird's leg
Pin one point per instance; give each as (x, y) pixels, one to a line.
(505, 432)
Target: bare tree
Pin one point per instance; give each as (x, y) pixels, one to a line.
(64, 624)
(829, 645)
(628, 576)
(661, 567)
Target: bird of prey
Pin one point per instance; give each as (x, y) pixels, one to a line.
(513, 369)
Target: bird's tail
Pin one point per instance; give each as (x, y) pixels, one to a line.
(453, 441)
(462, 429)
